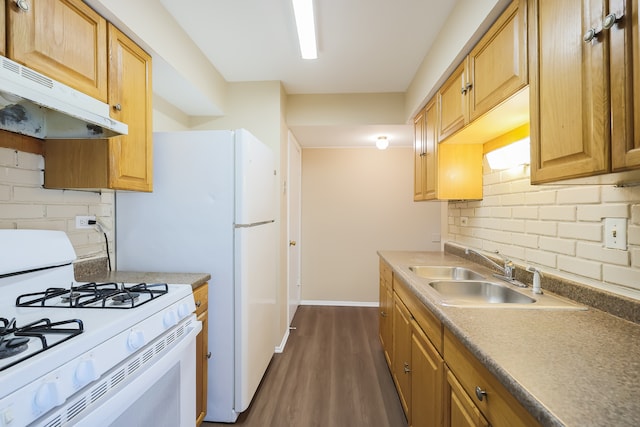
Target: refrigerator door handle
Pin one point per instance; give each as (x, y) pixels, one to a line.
(253, 224)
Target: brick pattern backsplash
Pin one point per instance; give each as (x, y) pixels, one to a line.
(25, 204)
(558, 228)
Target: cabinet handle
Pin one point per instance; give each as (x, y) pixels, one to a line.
(117, 107)
(406, 368)
(209, 355)
(423, 154)
(198, 303)
(383, 314)
(480, 393)
(22, 5)
(466, 88)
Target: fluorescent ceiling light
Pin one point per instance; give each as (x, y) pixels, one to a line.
(509, 156)
(303, 11)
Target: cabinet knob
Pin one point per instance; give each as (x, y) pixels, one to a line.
(198, 303)
(292, 243)
(209, 355)
(610, 20)
(406, 368)
(480, 393)
(117, 107)
(22, 5)
(591, 34)
(383, 314)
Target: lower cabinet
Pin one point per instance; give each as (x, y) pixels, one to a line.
(460, 409)
(487, 395)
(427, 368)
(417, 367)
(439, 381)
(201, 297)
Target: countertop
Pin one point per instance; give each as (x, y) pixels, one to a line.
(194, 279)
(567, 367)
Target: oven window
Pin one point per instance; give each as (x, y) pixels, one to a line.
(159, 406)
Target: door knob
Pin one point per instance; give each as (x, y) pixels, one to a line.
(292, 242)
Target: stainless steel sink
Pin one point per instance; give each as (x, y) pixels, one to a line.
(479, 292)
(445, 272)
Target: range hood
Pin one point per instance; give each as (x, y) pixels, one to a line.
(35, 105)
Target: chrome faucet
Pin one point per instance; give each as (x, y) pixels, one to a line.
(508, 269)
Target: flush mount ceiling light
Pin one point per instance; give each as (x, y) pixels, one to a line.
(382, 143)
(509, 156)
(303, 11)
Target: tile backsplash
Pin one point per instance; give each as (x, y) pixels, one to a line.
(558, 228)
(25, 204)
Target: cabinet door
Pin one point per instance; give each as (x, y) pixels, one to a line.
(130, 98)
(385, 320)
(453, 102)
(419, 153)
(402, 353)
(200, 296)
(63, 39)
(459, 409)
(624, 67)
(498, 63)
(427, 376)
(425, 153)
(569, 96)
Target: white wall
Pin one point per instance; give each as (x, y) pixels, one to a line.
(356, 201)
(557, 228)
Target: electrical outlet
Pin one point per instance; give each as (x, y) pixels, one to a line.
(82, 221)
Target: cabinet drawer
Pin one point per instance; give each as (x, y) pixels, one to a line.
(425, 319)
(498, 405)
(201, 297)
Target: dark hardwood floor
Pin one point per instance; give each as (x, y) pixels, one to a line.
(331, 374)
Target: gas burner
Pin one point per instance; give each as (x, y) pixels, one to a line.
(12, 346)
(126, 298)
(70, 296)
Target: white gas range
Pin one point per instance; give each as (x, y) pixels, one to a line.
(89, 354)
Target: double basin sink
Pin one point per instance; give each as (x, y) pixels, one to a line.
(459, 286)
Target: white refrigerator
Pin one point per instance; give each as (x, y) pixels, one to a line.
(213, 210)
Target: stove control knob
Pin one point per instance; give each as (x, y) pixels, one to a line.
(86, 372)
(47, 396)
(170, 319)
(183, 311)
(135, 340)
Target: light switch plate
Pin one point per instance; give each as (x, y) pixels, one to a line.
(615, 233)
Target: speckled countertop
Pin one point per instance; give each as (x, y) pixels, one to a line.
(193, 279)
(567, 367)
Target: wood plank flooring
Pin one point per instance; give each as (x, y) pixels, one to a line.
(331, 374)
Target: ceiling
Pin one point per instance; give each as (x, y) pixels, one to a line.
(364, 46)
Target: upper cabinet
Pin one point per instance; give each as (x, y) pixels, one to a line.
(120, 163)
(492, 77)
(444, 171)
(63, 39)
(585, 88)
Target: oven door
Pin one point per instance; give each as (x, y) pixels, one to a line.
(161, 395)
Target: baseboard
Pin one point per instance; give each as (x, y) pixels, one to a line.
(340, 303)
(283, 343)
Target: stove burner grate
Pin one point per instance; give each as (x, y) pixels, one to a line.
(15, 340)
(94, 295)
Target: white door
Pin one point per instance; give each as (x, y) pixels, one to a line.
(293, 208)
